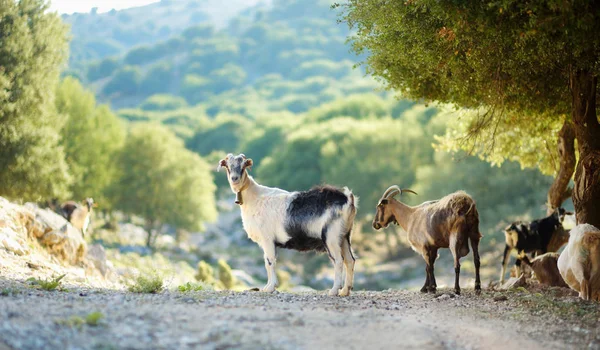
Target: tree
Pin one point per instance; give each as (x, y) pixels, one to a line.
(102, 69)
(525, 67)
(91, 137)
(33, 48)
(125, 81)
(163, 182)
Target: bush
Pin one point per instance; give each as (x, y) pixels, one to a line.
(48, 285)
(225, 275)
(205, 272)
(152, 284)
(193, 287)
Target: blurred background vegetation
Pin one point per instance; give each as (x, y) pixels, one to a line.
(149, 99)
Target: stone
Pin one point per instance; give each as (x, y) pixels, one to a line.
(514, 282)
(97, 256)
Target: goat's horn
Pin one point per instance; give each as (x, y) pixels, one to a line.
(391, 192)
(408, 190)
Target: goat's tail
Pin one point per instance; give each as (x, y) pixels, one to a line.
(349, 211)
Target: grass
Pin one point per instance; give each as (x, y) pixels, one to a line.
(551, 302)
(92, 320)
(49, 285)
(6, 292)
(149, 284)
(192, 287)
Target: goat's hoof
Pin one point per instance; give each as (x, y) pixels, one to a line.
(424, 289)
(268, 289)
(432, 290)
(333, 292)
(344, 292)
(456, 291)
(478, 290)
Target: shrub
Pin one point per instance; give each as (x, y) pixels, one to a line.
(205, 272)
(152, 284)
(48, 285)
(225, 275)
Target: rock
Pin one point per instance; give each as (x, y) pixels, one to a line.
(514, 282)
(97, 256)
(17, 223)
(444, 296)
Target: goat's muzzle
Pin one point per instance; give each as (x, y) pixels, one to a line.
(376, 226)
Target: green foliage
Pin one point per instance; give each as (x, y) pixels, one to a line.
(125, 81)
(225, 133)
(94, 318)
(147, 284)
(91, 138)
(104, 68)
(509, 62)
(227, 78)
(33, 48)
(47, 284)
(195, 88)
(205, 272)
(330, 151)
(162, 181)
(225, 275)
(158, 79)
(163, 103)
(192, 287)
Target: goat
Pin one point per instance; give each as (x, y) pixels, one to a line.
(545, 268)
(579, 263)
(319, 219)
(79, 215)
(539, 237)
(450, 222)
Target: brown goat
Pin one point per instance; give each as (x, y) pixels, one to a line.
(450, 222)
(545, 268)
(79, 215)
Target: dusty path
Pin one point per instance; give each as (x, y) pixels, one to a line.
(250, 320)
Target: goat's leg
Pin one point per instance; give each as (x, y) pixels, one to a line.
(349, 262)
(333, 241)
(426, 285)
(270, 260)
(455, 245)
(475, 247)
(432, 255)
(505, 259)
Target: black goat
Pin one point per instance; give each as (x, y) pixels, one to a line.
(538, 237)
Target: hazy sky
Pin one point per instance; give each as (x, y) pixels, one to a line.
(70, 6)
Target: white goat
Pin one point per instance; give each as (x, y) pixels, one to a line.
(79, 215)
(320, 219)
(450, 222)
(579, 263)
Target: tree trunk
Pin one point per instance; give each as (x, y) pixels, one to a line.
(560, 190)
(586, 194)
(151, 229)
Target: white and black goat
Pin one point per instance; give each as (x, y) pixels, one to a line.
(320, 219)
(79, 215)
(450, 222)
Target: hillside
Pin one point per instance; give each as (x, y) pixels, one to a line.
(98, 35)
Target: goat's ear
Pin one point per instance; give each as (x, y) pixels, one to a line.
(222, 163)
(248, 164)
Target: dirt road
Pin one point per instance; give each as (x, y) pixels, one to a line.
(35, 319)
